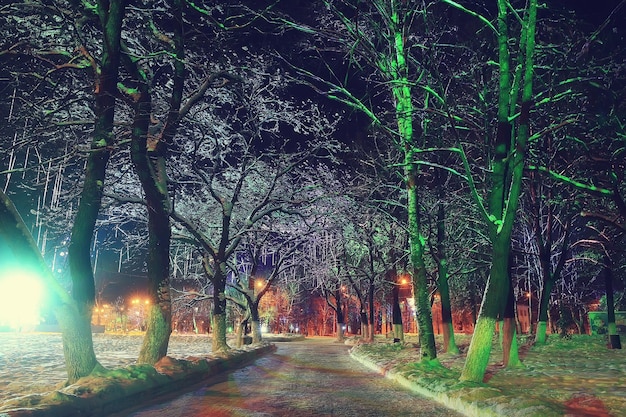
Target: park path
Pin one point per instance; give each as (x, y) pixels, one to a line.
(313, 377)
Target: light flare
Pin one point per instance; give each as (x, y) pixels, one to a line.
(21, 299)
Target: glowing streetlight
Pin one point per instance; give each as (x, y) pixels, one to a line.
(140, 308)
(21, 296)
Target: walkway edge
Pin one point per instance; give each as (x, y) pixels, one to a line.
(120, 389)
(493, 402)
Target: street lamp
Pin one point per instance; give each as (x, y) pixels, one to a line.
(140, 306)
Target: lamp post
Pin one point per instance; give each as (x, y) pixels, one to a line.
(193, 317)
(139, 306)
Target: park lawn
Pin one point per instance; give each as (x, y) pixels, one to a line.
(578, 374)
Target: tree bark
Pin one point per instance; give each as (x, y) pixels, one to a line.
(549, 276)
(257, 337)
(510, 353)
(370, 302)
(149, 162)
(449, 344)
(77, 340)
(508, 166)
(396, 315)
(149, 159)
(493, 303)
(418, 268)
(614, 339)
(341, 322)
(364, 325)
(401, 89)
(219, 343)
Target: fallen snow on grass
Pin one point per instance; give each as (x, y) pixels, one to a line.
(580, 373)
(34, 363)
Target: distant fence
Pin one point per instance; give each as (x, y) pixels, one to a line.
(598, 321)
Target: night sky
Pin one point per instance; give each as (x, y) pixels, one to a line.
(131, 281)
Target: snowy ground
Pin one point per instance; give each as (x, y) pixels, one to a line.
(578, 374)
(33, 362)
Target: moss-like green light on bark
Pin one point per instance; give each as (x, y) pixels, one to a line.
(156, 341)
(479, 350)
(573, 182)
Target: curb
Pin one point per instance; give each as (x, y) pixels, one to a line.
(479, 400)
(120, 389)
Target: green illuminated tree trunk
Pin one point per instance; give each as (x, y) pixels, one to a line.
(396, 67)
(73, 311)
(149, 153)
(614, 339)
(390, 22)
(507, 169)
(77, 341)
(449, 344)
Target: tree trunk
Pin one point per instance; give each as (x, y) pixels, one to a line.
(549, 276)
(449, 344)
(256, 331)
(420, 284)
(396, 68)
(150, 168)
(396, 319)
(507, 172)
(510, 353)
(257, 337)
(219, 344)
(493, 303)
(341, 322)
(219, 312)
(149, 159)
(544, 306)
(158, 330)
(364, 325)
(370, 302)
(340, 332)
(614, 339)
(77, 338)
(240, 332)
(78, 350)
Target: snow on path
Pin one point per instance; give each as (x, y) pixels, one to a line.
(33, 362)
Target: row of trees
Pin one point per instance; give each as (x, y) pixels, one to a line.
(431, 120)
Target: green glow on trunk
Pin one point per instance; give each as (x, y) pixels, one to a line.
(479, 350)
(156, 340)
(540, 337)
